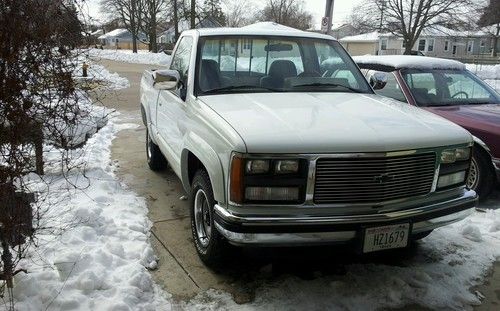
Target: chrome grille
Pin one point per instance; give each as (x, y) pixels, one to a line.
(373, 180)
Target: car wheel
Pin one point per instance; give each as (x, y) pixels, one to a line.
(481, 178)
(156, 160)
(209, 244)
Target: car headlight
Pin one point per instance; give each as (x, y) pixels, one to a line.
(453, 155)
(257, 166)
(262, 179)
(451, 179)
(455, 164)
(286, 166)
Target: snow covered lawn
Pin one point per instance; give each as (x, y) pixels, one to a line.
(142, 57)
(101, 261)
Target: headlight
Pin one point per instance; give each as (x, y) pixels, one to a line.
(451, 179)
(272, 193)
(265, 179)
(257, 166)
(453, 155)
(286, 166)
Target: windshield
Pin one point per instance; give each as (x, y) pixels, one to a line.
(448, 88)
(232, 64)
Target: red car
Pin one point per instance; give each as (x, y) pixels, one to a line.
(447, 88)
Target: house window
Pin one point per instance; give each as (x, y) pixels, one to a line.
(470, 46)
(446, 45)
(430, 45)
(421, 44)
(383, 44)
(403, 45)
(247, 44)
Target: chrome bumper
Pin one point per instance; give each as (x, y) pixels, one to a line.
(290, 231)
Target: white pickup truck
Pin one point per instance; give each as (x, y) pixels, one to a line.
(279, 140)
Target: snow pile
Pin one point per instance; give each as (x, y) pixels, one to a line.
(440, 275)
(141, 57)
(101, 262)
(98, 73)
(489, 73)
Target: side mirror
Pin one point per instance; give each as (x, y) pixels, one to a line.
(378, 80)
(166, 79)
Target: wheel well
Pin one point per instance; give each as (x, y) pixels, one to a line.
(485, 153)
(193, 165)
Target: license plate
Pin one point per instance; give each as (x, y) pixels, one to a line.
(386, 237)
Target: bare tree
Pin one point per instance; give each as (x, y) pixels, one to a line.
(287, 12)
(491, 17)
(42, 105)
(130, 13)
(238, 13)
(408, 18)
(151, 15)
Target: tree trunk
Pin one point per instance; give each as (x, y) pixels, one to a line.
(134, 42)
(494, 52)
(152, 34)
(176, 21)
(408, 46)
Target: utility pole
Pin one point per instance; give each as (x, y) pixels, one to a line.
(193, 8)
(326, 22)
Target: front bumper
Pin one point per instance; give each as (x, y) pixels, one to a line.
(296, 231)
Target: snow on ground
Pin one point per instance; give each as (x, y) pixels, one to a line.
(489, 73)
(99, 73)
(142, 57)
(441, 275)
(101, 261)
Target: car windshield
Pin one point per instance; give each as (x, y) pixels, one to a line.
(448, 88)
(233, 64)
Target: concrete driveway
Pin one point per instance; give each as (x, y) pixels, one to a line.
(180, 271)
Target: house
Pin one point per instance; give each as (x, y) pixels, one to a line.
(168, 36)
(437, 41)
(344, 30)
(367, 43)
(121, 38)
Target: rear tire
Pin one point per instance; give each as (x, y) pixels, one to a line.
(156, 160)
(210, 245)
(481, 178)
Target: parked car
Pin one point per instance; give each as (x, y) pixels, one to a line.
(280, 141)
(447, 88)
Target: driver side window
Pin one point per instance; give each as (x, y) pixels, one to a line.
(181, 59)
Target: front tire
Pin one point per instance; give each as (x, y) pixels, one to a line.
(156, 160)
(210, 245)
(481, 178)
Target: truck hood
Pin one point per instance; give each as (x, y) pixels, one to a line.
(331, 122)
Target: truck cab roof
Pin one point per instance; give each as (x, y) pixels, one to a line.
(257, 29)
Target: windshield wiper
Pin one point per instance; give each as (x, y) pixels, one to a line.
(238, 87)
(329, 84)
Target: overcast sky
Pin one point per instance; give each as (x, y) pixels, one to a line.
(341, 11)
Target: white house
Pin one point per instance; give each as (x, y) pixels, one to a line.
(121, 38)
(437, 41)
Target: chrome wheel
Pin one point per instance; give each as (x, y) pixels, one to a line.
(473, 178)
(202, 218)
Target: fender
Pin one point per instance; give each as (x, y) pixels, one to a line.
(483, 145)
(210, 160)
